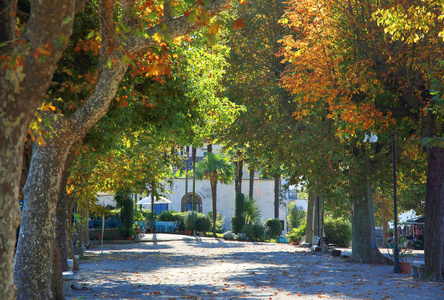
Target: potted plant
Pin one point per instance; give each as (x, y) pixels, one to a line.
(404, 253)
(190, 222)
(295, 235)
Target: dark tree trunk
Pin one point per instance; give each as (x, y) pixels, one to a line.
(251, 187)
(64, 215)
(56, 281)
(214, 198)
(193, 196)
(239, 174)
(277, 188)
(82, 230)
(434, 215)
(364, 245)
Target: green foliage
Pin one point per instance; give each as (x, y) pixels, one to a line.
(125, 203)
(140, 215)
(191, 220)
(219, 222)
(273, 228)
(127, 232)
(203, 223)
(238, 220)
(251, 211)
(171, 216)
(295, 216)
(151, 216)
(296, 234)
(338, 231)
(255, 232)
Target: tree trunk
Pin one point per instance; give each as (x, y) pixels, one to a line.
(63, 215)
(32, 269)
(56, 281)
(82, 229)
(251, 187)
(364, 245)
(277, 188)
(434, 215)
(213, 181)
(239, 173)
(193, 196)
(309, 228)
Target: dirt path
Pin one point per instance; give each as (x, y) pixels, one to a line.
(219, 269)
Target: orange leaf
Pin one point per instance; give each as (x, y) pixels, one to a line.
(239, 23)
(124, 103)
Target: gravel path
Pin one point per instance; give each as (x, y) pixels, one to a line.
(207, 268)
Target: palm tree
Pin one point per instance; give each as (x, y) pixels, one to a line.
(215, 167)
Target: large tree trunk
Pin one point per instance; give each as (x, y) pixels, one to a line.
(251, 187)
(32, 270)
(364, 245)
(434, 215)
(22, 88)
(82, 229)
(309, 228)
(277, 188)
(64, 214)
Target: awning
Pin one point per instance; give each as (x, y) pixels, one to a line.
(157, 200)
(415, 221)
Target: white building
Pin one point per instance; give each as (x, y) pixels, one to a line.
(263, 194)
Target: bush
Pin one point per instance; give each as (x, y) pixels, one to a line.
(190, 220)
(229, 236)
(296, 234)
(338, 231)
(203, 223)
(273, 228)
(296, 216)
(219, 222)
(127, 232)
(238, 221)
(167, 216)
(255, 232)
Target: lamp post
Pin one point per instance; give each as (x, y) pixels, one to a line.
(395, 210)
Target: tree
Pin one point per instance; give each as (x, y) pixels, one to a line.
(118, 44)
(216, 168)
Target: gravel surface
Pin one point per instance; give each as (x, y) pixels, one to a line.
(207, 268)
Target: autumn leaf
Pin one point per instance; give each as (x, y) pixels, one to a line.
(239, 23)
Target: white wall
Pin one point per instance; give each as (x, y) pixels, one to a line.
(263, 194)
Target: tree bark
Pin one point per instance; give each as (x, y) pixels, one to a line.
(34, 257)
(309, 228)
(251, 187)
(434, 215)
(277, 188)
(239, 173)
(364, 245)
(22, 88)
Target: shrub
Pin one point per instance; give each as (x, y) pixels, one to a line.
(273, 228)
(229, 235)
(219, 222)
(296, 216)
(238, 221)
(167, 216)
(255, 232)
(338, 231)
(190, 220)
(203, 223)
(125, 203)
(296, 234)
(127, 232)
